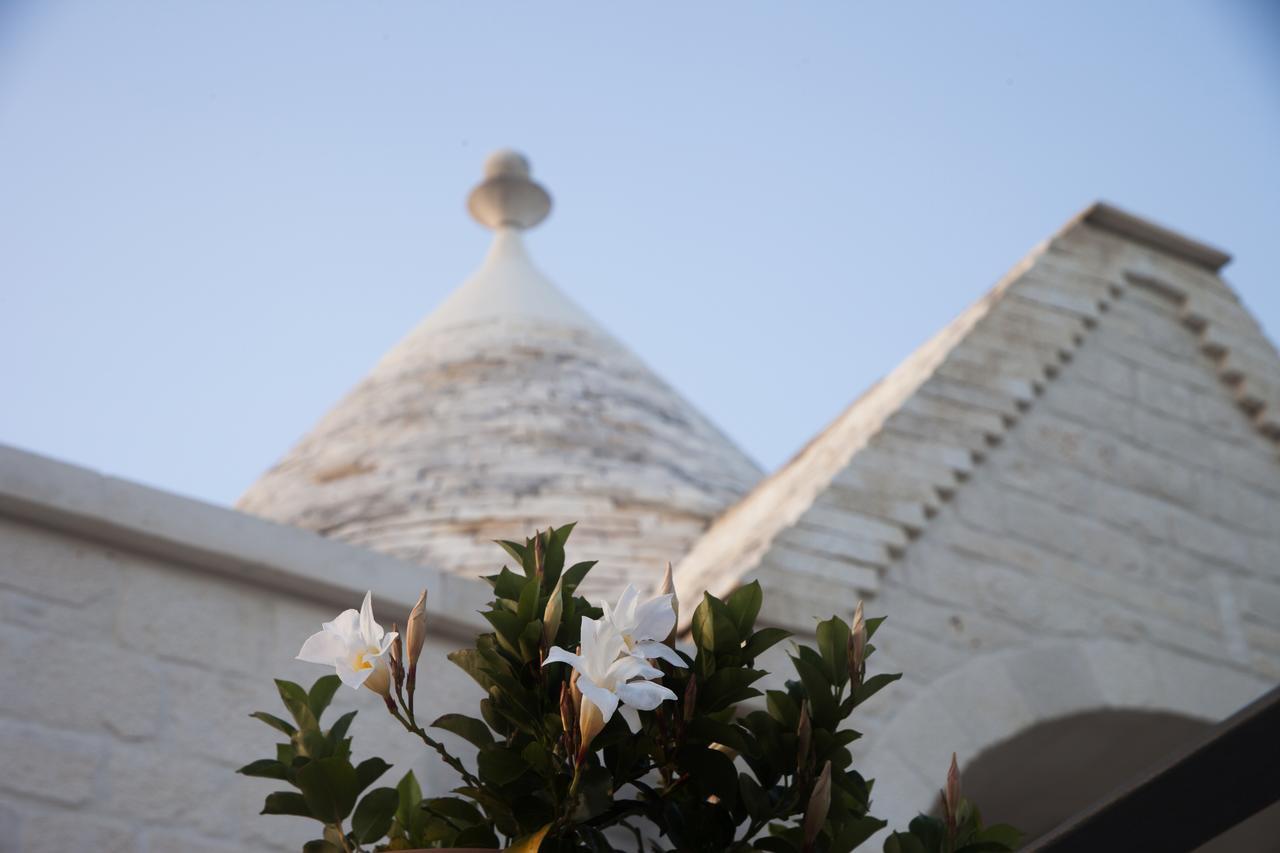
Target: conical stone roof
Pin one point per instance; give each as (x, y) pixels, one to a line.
(505, 410)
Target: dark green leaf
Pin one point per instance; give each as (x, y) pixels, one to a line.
(471, 662)
(763, 640)
(574, 575)
(822, 705)
(713, 628)
(459, 812)
(471, 730)
(321, 694)
(499, 766)
(373, 815)
(874, 685)
(286, 802)
(410, 796)
(368, 772)
(339, 729)
(319, 845)
(275, 722)
(330, 788)
(744, 606)
(754, 797)
(264, 768)
(833, 642)
(295, 699)
(900, 842)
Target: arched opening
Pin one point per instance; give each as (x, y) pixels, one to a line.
(1053, 770)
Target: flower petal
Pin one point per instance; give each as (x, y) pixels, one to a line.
(644, 695)
(603, 699)
(322, 647)
(559, 655)
(353, 678)
(631, 716)
(370, 631)
(658, 651)
(655, 619)
(347, 624)
(628, 667)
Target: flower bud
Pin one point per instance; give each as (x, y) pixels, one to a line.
(590, 723)
(669, 588)
(379, 680)
(690, 697)
(857, 649)
(551, 616)
(804, 736)
(815, 814)
(396, 653)
(539, 555)
(416, 631)
(951, 795)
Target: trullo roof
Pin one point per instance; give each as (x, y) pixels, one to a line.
(507, 409)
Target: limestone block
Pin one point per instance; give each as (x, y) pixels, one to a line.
(128, 697)
(62, 831)
(54, 567)
(57, 767)
(193, 618)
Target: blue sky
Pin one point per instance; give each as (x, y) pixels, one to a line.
(217, 215)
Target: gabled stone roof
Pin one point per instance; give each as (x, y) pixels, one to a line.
(509, 409)
(827, 524)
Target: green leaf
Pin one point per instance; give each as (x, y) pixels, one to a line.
(508, 625)
(499, 766)
(763, 640)
(754, 797)
(529, 596)
(339, 729)
(822, 705)
(410, 796)
(856, 830)
(833, 642)
(373, 815)
(286, 802)
(265, 768)
(713, 628)
(321, 694)
(507, 584)
(515, 549)
(330, 788)
(275, 722)
(783, 709)
(744, 606)
(471, 730)
(368, 772)
(471, 662)
(574, 575)
(900, 842)
(319, 845)
(874, 685)
(295, 699)
(872, 625)
(458, 812)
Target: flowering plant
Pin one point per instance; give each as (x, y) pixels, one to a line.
(597, 729)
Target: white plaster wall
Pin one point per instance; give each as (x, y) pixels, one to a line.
(125, 688)
(1118, 548)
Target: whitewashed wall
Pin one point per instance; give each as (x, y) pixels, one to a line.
(126, 678)
(1117, 549)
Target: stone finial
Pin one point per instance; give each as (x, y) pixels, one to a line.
(508, 197)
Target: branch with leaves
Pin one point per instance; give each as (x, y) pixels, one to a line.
(596, 726)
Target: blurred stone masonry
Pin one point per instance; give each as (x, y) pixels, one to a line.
(1065, 503)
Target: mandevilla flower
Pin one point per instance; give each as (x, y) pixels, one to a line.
(645, 627)
(608, 680)
(354, 645)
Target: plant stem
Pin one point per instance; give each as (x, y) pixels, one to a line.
(412, 726)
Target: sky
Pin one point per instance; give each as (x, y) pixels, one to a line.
(216, 216)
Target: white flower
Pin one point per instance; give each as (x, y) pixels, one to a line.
(645, 627)
(609, 679)
(353, 644)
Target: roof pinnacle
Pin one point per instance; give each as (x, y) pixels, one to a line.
(508, 197)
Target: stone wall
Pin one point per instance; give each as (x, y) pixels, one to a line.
(1117, 548)
(126, 678)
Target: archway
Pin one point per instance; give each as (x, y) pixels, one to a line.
(1131, 703)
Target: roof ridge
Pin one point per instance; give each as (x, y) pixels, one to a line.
(889, 467)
